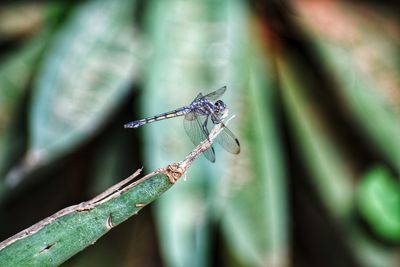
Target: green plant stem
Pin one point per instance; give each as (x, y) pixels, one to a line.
(60, 236)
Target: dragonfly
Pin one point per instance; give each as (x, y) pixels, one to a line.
(199, 117)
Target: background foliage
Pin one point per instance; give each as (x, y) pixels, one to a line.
(315, 89)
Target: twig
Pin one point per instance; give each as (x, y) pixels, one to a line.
(173, 172)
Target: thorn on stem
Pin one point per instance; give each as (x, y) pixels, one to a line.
(109, 223)
(47, 248)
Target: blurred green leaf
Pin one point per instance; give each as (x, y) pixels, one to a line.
(15, 74)
(255, 215)
(328, 167)
(363, 59)
(330, 170)
(379, 203)
(199, 47)
(184, 39)
(87, 72)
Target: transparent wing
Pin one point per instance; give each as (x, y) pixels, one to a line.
(200, 95)
(226, 138)
(193, 127)
(216, 94)
(228, 141)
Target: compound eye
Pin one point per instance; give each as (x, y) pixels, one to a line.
(220, 106)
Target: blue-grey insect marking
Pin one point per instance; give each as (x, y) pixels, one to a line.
(200, 115)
